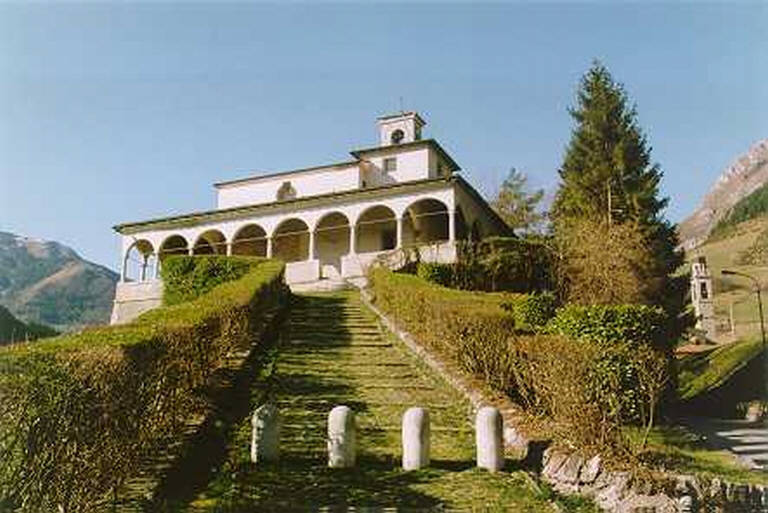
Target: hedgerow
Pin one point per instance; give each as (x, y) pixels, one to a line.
(185, 279)
(588, 389)
(532, 311)
(80, 412)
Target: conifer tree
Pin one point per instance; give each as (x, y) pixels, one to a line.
(607, 177)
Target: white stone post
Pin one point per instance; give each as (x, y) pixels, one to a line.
(415, 438)
(265, 434)
(157, 266)
(191, 251)
(143, 276)
(342, 437)
(352, 237)
(488, 437)
(399, 242)
(269, 247)
(229, 248)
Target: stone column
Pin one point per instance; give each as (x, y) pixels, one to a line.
(229, 248)
(311, 245)
(399, 242)
(191, 251)
(415, 438)
(265, 434)
(157, 266)
(269, 247)
(143, 276)
(451, 225)
(352, 237)
(342, 437)
(489, 439)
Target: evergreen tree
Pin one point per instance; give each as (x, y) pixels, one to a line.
(517, 205)
(607, 177)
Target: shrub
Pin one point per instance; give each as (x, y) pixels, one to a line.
(588, 389)
(606, 324)
(80, 412)
(508, 264)
(186, 278)
(442, 274)
(532, 311)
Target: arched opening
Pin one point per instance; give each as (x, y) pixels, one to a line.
(140, 261)
(331, 242)
(173, 245)
(462, 230)
(376, 230)
(211, 242)
(250, 240)
(291, 241)
(425, 221)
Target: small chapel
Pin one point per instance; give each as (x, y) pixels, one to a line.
(328, 223)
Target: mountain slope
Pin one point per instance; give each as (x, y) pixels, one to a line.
(49, 283)
(744, 176)
(13, 330)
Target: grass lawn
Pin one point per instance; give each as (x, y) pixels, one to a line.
(701, 372)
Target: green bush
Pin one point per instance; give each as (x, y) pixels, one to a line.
(607, 324)
(186, 278)
(80, 412)
(442, 274)
(532, 311)
(589, 390)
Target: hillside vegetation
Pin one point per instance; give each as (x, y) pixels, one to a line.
(13, 330)
(753, 206)
(48, 283)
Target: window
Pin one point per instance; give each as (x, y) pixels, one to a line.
(704, 291)
(397, 136)
(286, 192)
(390, 165)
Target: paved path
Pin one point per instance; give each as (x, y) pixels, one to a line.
(748, 441)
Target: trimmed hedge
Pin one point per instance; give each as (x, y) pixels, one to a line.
(81, 411)
(589, 390)
(185, 279)
(606, 324)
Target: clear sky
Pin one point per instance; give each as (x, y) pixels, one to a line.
(122, 112)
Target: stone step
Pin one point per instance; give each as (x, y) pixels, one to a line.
(321, 345)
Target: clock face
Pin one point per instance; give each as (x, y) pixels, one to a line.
(397, 136)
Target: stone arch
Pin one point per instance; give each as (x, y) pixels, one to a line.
(211, 242)
(173, 245)
(140, 261)
(250, 240)
(376, 230)
(290, 240)
(425, 221)
(332, 233)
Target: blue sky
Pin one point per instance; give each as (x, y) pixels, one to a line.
(122, 112)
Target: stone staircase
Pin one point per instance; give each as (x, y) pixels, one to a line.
(336, 353)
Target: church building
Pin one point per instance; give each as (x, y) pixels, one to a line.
(328, 223)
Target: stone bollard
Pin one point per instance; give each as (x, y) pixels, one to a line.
(415, 438)
(488, 437)
(265, 434)
(342, 437)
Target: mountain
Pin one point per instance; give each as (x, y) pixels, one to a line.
(48, 283)
(13, 330)
(740, 179)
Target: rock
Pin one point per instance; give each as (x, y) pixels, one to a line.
(659, 503)
(415, 438)
(488, 438)
(590, 470)
(265, 434)
(615, 490)
(342, 438)
(685, 504)
(569, 471)
(554, 459)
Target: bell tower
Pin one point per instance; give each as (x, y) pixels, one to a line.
(403, 127)
(702, 297)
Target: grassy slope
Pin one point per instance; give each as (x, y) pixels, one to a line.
(721, 254)
(704, 371)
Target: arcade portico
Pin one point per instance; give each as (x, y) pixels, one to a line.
(326, 222)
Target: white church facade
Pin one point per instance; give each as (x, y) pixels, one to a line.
(326, 222)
